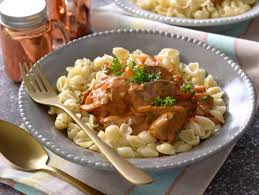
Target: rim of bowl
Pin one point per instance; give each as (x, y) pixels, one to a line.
(185, 21)
(105, 165)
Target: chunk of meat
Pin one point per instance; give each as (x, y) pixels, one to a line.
(161, 88)
(98, 110)
(119, 90)
(136, 95)
(103, 81)
(103, 109)
(166, 126)
(113, 120)
(107, 97)
(114, 100)
(161, 126)
(189, 107)
(164, 73)
(136, 122)
(98, 97)
(143, 94)
(183, 96)
(159, 110)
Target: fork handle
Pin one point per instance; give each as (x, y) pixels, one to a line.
(76, 183)
(124, 167)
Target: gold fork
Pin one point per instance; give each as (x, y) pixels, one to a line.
(42, 92)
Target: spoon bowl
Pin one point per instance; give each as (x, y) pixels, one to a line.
(20, 148)
(23, 151)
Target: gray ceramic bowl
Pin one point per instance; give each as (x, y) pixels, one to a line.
(239, 94)
(212, 25)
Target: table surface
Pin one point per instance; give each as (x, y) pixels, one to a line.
(238, 175)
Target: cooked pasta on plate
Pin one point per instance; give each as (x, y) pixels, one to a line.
(196, 9)
(141, 105)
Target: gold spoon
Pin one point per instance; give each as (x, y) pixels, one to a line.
(22, 150)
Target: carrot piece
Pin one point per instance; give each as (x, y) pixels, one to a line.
(128, 72)
(199, 88)
(88, 100)
(155, 58)
(141, 59)
(104, 86)
(200, 94)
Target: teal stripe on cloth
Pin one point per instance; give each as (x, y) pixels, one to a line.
(162, 182)
(26, 189)
(223, 43)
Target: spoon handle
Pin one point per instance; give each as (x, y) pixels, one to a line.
(73, 181)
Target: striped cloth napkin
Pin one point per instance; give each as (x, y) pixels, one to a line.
(179, 181)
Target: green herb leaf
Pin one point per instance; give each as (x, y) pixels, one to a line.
(132, 65)
(116, 67)
(140, 75)
(157, 101)
(167, 101)
(153, 76)
(187, 87)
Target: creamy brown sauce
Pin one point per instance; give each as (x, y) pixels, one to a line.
(217, 2)
(115, 100)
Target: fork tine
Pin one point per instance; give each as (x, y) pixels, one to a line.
(31, 80)
(44, 79)
(25, 79)
(37, 78)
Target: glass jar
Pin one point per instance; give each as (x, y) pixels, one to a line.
(75, 14)
(26, 33)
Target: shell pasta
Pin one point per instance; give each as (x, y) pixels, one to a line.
(140, 105)
(196, 9)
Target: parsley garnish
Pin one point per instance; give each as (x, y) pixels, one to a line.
(153, 76)
(132, 65)
(116, 67)
(157, 101)
(167, 101)
(187, 87)
(140, 75)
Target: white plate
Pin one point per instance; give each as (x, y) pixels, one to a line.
(131, 8)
